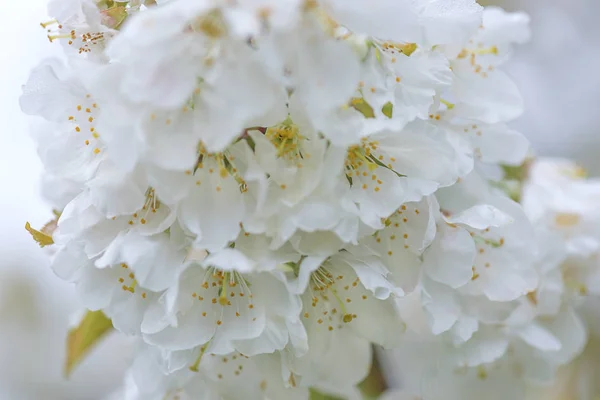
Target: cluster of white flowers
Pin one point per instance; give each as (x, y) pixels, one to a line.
(260, 190)
(528, 339)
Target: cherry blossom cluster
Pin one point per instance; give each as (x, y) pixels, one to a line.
(262, 190)
(527, 341)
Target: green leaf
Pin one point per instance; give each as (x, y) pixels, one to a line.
(81, 339)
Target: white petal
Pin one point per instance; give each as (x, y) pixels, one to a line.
(481, 217)
(450, 257)
(538, 337)
(230, 260)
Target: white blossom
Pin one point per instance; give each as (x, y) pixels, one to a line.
(260, 191)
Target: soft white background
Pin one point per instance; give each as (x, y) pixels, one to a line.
(559, 73)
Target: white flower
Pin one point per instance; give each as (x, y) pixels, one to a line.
(501, 268)
(407, 234)
(69, 145)
(482, 91)
(348, 303)
(223, 305)
(204, 68)
(325, 210)
(321, 90)
(479, 344)
(211, 377)
(405, 79)
(82, 27)
(262, 190)
(83, 221)
(115, 288)
(428, 22)
(294, 160)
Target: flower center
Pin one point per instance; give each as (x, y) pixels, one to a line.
(83, 119)
(85, 40)
(362, 163)
(393, 48)
(287, 140)
(222, 163)
(330, 298)
(127, 280)
(212, 24)
(222, 290)
(472, 54)
(151, 206)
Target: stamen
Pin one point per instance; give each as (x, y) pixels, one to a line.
(52, 38)
(194, 367)
(48, 23)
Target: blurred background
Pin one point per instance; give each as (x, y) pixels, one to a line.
(558, 72)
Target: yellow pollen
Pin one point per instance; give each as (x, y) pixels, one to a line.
(96, 150)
